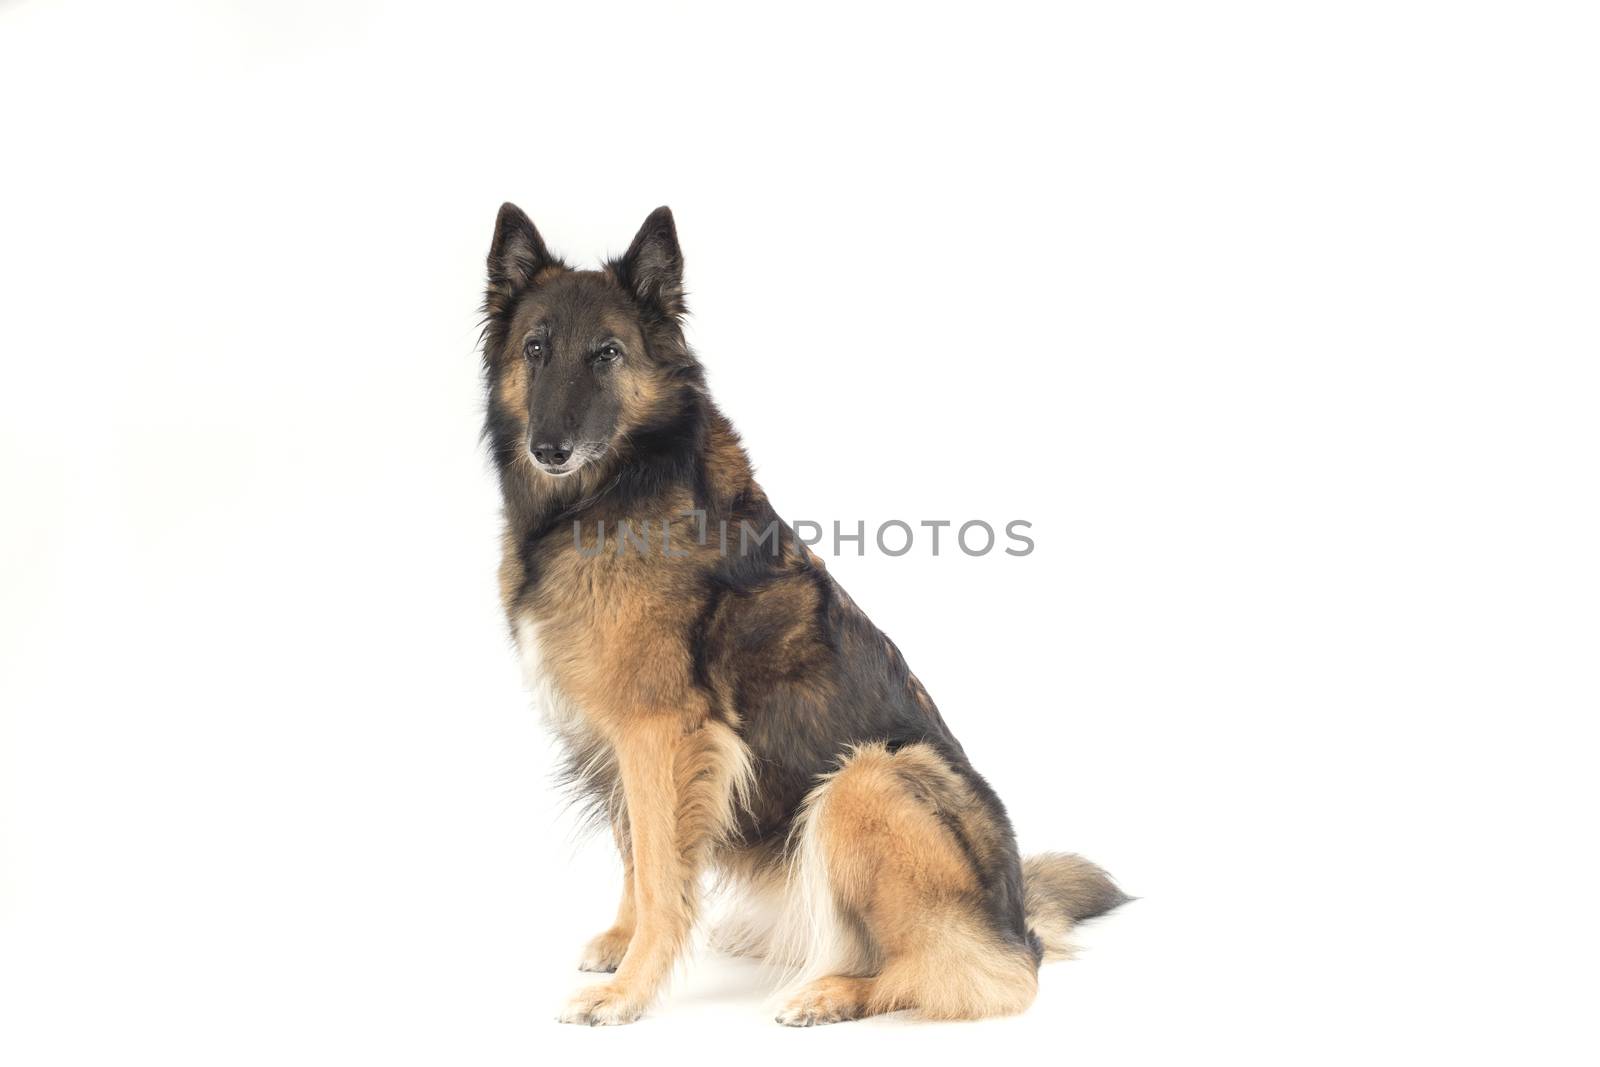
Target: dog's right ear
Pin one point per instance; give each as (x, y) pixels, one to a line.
(516, 256)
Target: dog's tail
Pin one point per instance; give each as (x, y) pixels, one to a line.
(1059, 890)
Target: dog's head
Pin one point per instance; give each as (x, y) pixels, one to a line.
(581, 361)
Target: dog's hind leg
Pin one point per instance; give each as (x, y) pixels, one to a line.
(900, 840)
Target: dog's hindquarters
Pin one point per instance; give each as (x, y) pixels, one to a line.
(896, 894)
(889, 901)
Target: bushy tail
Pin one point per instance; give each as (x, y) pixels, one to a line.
(1060, 889)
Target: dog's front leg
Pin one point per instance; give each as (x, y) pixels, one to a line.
(665, 880)
(605, 952)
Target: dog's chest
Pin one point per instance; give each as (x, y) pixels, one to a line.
(558, 709)
(607, 638)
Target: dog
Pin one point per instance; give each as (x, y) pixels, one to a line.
(722, 703)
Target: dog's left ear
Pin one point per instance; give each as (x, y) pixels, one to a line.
(652, 268)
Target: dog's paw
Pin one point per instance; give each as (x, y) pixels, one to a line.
(602, 1005)
(831, 1000)
(605, 952)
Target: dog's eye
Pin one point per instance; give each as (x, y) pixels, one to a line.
(533, 348)
(607, 353)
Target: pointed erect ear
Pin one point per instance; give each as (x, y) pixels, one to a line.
(652, 268)
(517, 254)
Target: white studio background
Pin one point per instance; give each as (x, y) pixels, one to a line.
(1276, 321)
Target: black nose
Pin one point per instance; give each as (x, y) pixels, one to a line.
(552, 455)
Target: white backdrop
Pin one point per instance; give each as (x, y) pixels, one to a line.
(1276, 321)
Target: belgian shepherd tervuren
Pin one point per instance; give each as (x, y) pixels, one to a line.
(722, 702)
